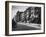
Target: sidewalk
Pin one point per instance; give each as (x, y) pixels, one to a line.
(30, 24)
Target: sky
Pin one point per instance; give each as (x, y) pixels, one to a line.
(18, 8)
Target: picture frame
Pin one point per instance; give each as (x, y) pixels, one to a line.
(24, 18)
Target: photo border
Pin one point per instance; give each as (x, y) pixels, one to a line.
(7, 17)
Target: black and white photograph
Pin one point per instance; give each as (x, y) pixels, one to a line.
(25, 18)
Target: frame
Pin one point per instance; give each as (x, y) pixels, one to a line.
(24, 18)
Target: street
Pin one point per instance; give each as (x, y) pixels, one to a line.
(25, 27)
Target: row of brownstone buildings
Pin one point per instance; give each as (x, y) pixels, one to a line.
(30, 15)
